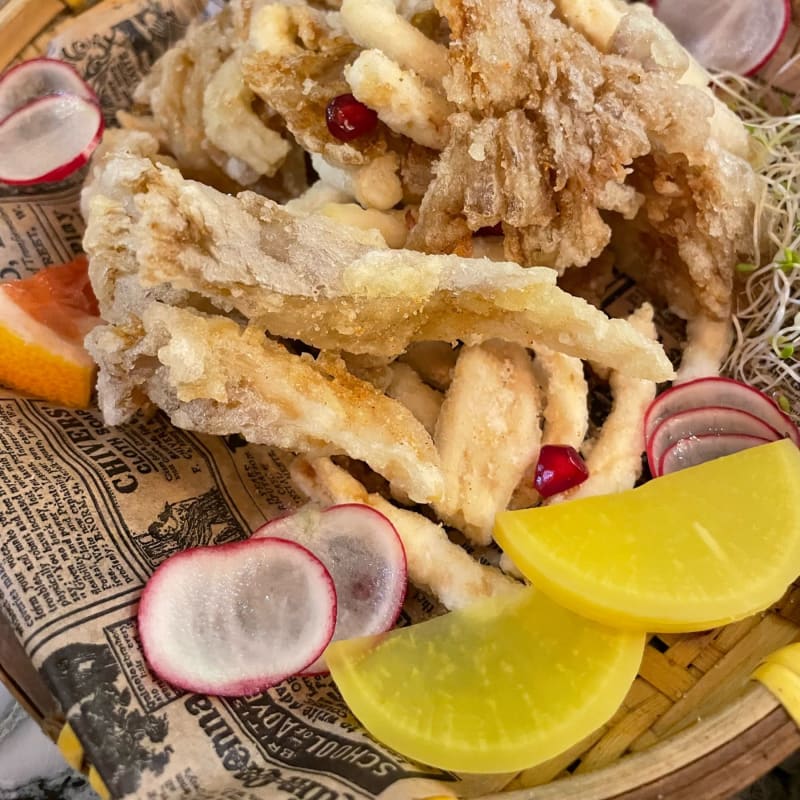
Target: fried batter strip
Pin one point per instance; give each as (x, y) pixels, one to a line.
(708, 342)
(434, 562)
(401, 99)
(487, 434)
(614, 458)
(406, 386)
(212, 376)
(566, 412)
(376, 24)
(434, 362)
(299, 79)
(174, 89)
(557, 140)
(233, 127)
(248, 254)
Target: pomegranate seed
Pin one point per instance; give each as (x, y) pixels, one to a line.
(349, 119)
(559, 468)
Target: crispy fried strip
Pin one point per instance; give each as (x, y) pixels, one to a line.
(273, 29)
(390, 224)
(487, 435)
(175, 87)
(376, 24)
(434, 362)
(566, 412)
(211, 376)
(421, 400)
(247, 253)
(707, 345)
(434, 562)
(610, 26)
(232, 126)
(615, 457)
(315, 198)
(401, 98)
(375, 185)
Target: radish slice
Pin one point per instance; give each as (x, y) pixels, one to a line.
(365, 557)
(733, 35)
(701, 422)
(48, 139)
(694, 450)
(236, 618)
(718, 392)
(38, 78)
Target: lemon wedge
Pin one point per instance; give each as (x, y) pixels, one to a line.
(689, 551)
(496, 687)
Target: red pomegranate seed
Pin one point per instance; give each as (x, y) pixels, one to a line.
(559, 468)
(349, 119)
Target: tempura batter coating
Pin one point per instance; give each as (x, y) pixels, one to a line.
(332, 286)
(566, 145)
(212, 376)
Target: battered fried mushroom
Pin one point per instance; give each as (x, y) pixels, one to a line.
(210, 375)
(330, 285)
(564, 144)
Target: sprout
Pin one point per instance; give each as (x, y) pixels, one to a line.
(767, 322)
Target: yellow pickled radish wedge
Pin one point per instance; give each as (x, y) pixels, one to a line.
(689, 551)
(496, 687)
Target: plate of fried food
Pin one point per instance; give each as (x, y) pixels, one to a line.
(488, 273)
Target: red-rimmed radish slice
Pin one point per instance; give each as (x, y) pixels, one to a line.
(48, 139)
(733, 35)
(37, 78)
(693, 450)
(237, 618)
(702, 422)
(716, 391)
(365, 557)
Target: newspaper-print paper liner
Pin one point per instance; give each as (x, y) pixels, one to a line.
(87, 512)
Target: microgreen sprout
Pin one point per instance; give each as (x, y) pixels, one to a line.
(782, 348)
(789, 261)
(767, 322)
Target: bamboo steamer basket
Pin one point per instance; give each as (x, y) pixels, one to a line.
(694, 726)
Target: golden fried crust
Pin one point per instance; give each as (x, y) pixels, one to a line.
(330, 285)
(174, 91)
(434, 562)
(487, 434)
(301, 79)
(556, 140)
(614, 457)
(212, 376)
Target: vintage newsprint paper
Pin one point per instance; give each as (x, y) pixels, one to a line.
(87, 512)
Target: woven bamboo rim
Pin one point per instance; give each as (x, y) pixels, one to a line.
(692, 726)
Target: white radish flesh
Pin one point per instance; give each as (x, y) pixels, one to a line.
(732, 35)
(694, 450)
(37, 78)
(718, 392)
(365, 557)
(235, 619)
(702, 422)
(48, 139)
